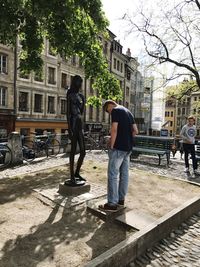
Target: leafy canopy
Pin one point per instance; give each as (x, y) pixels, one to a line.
(72, 27)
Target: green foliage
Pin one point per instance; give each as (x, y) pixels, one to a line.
(183, 89)
(107, 87)
(72, 27)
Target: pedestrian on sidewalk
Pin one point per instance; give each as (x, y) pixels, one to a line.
(188, 134)
(123, 129)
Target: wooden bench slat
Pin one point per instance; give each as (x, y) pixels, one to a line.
(152, 151)
(153, 145)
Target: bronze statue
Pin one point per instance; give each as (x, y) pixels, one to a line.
(75, 109)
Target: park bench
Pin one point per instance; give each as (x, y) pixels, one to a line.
(152, 145)
(197, 150)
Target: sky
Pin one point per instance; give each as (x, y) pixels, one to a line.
(114, 10)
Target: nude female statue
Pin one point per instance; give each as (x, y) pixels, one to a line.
(75, 109)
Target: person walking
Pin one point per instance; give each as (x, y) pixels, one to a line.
(123, 129)
(188, 133)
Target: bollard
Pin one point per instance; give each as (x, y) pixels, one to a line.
(14, 141)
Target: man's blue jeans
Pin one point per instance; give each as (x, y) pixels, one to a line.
(118, 174)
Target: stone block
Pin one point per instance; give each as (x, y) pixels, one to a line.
(136, 219)
(14, 141)
(68, 190)
(93, 207)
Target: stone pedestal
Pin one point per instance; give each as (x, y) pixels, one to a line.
(14, 141)
(69, 190)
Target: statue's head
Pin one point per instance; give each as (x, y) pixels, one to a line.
(76, 83)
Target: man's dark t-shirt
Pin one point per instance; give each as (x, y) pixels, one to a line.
(124, 139)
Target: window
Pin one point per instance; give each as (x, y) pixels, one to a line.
(172, 113)
(74, 60)
(128, 75)
(121, 67)
(3, 92)
(63, 106)
(80, 63)
(127, 91)
(171, 123)
(103, 115)
(23, 101)
(63, 80)
(179, 111)
(51, 105)
(91, 88)
(23, 74)
(183, 111)
(194, 111)
(195, 98)
(38, 103)
(51, 75)
(115, 62)
(105, 48)
(132, 98)
(39, 76)
(98, 114)
(90, 112)
(52, 50)
(3, 63)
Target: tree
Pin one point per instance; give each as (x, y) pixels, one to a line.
(72, 27)
(171, 35)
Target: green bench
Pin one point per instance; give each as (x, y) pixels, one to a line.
(152, 145)
(197, 150)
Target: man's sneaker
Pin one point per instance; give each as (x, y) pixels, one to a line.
(120, 203)
(108, 207)
(186, 170)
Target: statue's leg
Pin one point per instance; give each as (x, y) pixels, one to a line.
(71, 157)
(81, 143)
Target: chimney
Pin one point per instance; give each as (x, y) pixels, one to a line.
(128, 52)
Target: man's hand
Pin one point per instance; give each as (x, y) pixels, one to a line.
(108, 141)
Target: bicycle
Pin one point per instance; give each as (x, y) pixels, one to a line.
(96, 142)
(42, 145)
(5, 156)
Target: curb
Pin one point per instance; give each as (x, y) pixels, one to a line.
(128, 250)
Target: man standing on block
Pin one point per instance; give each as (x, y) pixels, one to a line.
(123, 129)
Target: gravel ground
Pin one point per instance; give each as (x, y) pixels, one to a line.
(36, 234)
(146, 163)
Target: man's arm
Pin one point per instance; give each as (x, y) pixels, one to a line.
(134, 129)
(113, 134)
(183, 136)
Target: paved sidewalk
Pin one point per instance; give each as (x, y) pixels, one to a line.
(180, 248)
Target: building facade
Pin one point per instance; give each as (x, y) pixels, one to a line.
(7, 108)
(36, 102)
